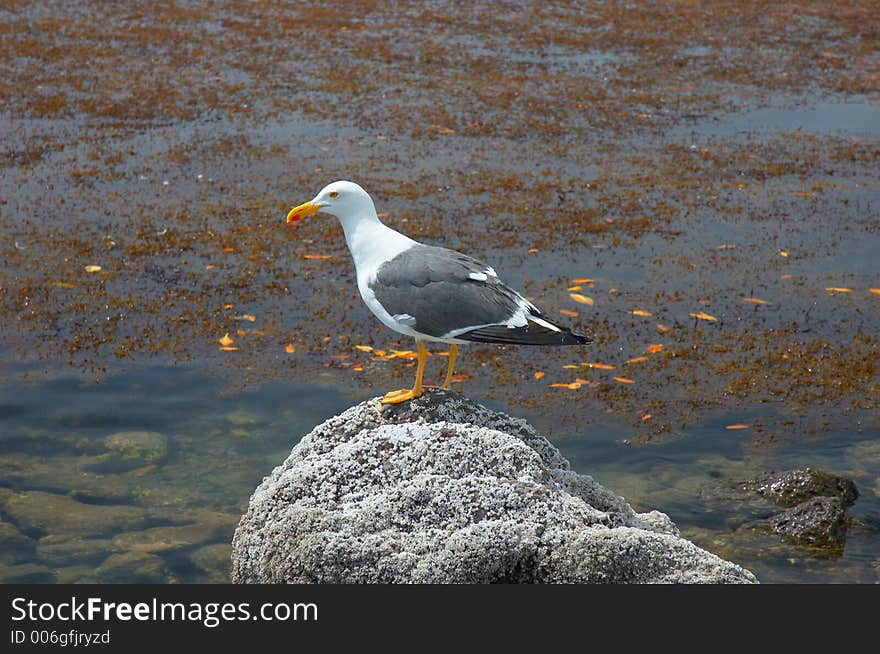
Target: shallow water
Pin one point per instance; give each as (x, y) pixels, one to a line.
(209, 450)
(856, 116)
(688, 161)
(179, 506)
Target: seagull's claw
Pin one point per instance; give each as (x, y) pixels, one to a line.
(396, 397)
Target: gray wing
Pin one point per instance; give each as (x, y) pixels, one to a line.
(444, 291)
(449, 294)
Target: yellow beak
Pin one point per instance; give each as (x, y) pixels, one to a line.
(303, 210)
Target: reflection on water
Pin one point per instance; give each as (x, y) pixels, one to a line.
(857, 117)
(142, 478)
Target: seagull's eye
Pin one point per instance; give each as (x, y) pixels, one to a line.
(333, 194)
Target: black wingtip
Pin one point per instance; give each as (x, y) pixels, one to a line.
(530, 334)
(580, 339)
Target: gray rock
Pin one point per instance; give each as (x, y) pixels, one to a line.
(795, 486)
(442, 490)
(818, 522)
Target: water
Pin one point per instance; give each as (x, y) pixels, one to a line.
(858, 116)
(552, 142)
(165, 455)
(167, 504)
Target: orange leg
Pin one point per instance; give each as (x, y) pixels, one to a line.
(396, 397)
(453, 355)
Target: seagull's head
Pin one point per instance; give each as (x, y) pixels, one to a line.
(341, 199)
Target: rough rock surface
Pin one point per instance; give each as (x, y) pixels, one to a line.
(442, 490)
(816, 501)
(820, 522)
(795, 486)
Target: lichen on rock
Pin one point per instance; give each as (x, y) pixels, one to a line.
(443, 490)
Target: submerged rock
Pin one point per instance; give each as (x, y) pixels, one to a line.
(51, 513)
(214, 562)
(65, 475)
(132, 568)
(26, 573)
(164, 539)
(818, 522)
(442, 490)
(63, 550)
(128, 450)
(15, 547)
(795, 486)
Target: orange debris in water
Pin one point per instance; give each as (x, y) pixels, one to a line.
(581, 299)
(402, 354)
(539, 374)
(600, 366)
(755, 300)
(636, 360)
(568, 312)
(737, 426)
(317, 256)
(623, 380)
(654, 348)
(290, 348)
(701, 315)
(640, 312)
(838, 289)
(226, 341)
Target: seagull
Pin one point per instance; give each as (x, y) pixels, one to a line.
(428, 292)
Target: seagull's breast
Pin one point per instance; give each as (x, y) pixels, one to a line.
(371, 245)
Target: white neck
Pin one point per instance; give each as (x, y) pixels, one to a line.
(371, 242)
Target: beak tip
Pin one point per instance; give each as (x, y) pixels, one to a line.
(298, 213)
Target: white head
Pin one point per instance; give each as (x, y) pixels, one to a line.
(341, 199)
